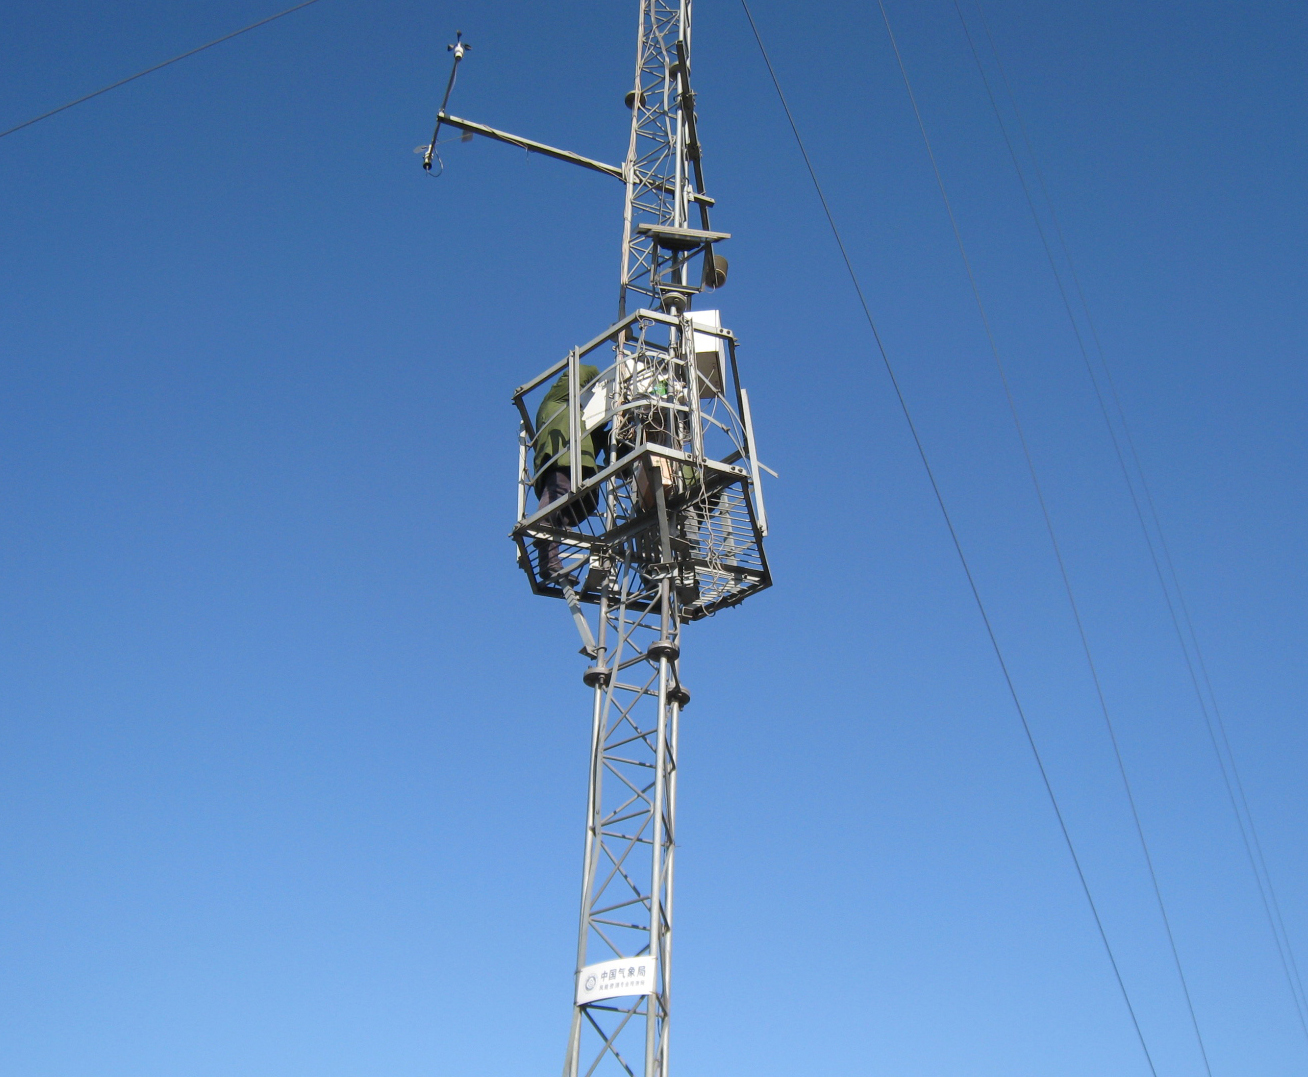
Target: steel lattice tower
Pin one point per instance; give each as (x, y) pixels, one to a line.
(666, 529)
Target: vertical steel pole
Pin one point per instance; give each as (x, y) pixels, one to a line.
(593, 796)
(671, 794)
(653, 1032)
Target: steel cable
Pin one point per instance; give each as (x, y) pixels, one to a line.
(953, 533)
(156, 67)
(1253, 847)
(1076, 614)
(1214, 722)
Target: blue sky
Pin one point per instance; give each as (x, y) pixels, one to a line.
(289, 755)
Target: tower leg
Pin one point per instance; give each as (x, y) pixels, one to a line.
(626, 903)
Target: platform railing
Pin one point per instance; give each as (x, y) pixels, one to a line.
(669, 422)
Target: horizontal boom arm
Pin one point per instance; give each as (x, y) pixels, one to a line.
(531, 146)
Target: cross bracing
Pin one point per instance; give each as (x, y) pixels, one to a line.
(656, 181)
(630, 835)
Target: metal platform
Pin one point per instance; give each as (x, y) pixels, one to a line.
(677, 496)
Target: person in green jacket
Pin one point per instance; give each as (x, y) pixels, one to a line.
(553, 465)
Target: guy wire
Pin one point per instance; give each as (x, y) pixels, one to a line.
(953, 534)
(1249, 838)
(156, 67)
(1085, 643)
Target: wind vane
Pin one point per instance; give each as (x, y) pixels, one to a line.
(460, 50)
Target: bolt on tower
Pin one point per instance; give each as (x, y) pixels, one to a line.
(639, 505)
